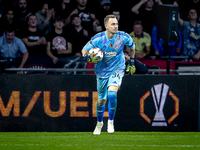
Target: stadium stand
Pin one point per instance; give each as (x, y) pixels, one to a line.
(157, 64)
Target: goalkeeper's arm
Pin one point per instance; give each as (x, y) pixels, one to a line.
(131, 62)
(84, 51)
(90, 58)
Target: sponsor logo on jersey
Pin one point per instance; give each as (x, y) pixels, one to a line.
(110, 54)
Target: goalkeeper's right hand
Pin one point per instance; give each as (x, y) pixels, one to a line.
(131, 66)
(91, 58)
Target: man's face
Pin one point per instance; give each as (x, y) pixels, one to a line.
(150, 3)
(10, 15)
(76, 21)
(32, 21)
(112, 25)
(137, 30)
(82, 2)
(22, 4)
(10, 36)
(192, 14)
(117, 14)
(59, 24)
(106, 7)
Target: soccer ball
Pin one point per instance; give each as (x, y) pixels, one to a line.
(97, 52)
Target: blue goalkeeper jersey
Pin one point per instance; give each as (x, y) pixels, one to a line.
(113, 57)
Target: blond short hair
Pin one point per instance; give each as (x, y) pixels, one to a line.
(107, 18)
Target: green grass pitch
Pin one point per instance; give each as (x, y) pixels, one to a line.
(105, 141)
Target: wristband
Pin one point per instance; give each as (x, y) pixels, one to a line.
(85, 55)
(132, 61)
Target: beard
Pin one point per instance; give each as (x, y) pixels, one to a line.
(23, 9)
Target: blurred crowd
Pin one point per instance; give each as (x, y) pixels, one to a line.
(51, 34)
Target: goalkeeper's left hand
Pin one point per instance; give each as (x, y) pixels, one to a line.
(131, 66)
(91, 58)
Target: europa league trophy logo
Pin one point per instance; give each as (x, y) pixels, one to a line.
(159, 93)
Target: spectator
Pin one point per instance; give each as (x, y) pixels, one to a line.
(64, 8)
(59, 48)
(146, 12)
(8, 21)
(34, 39)
(122, 25)
(45, 16)
(173, 48)
(94, 3)
(11, 47)
(88, 18)
(141, 39)
(22, 13)
(124, 5)
(126, 14)
(103, 11)
(191, 35)
(185, 6)
(79, 35)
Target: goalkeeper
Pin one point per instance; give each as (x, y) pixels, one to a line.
(110, 70)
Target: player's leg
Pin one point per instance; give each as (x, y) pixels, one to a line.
(112, 106)
(112, 103)
(102, 98)
(100, 109)
(114, 84)
(100, 113)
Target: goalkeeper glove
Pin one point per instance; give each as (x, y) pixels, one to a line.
(91, 58)
(131, 66)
